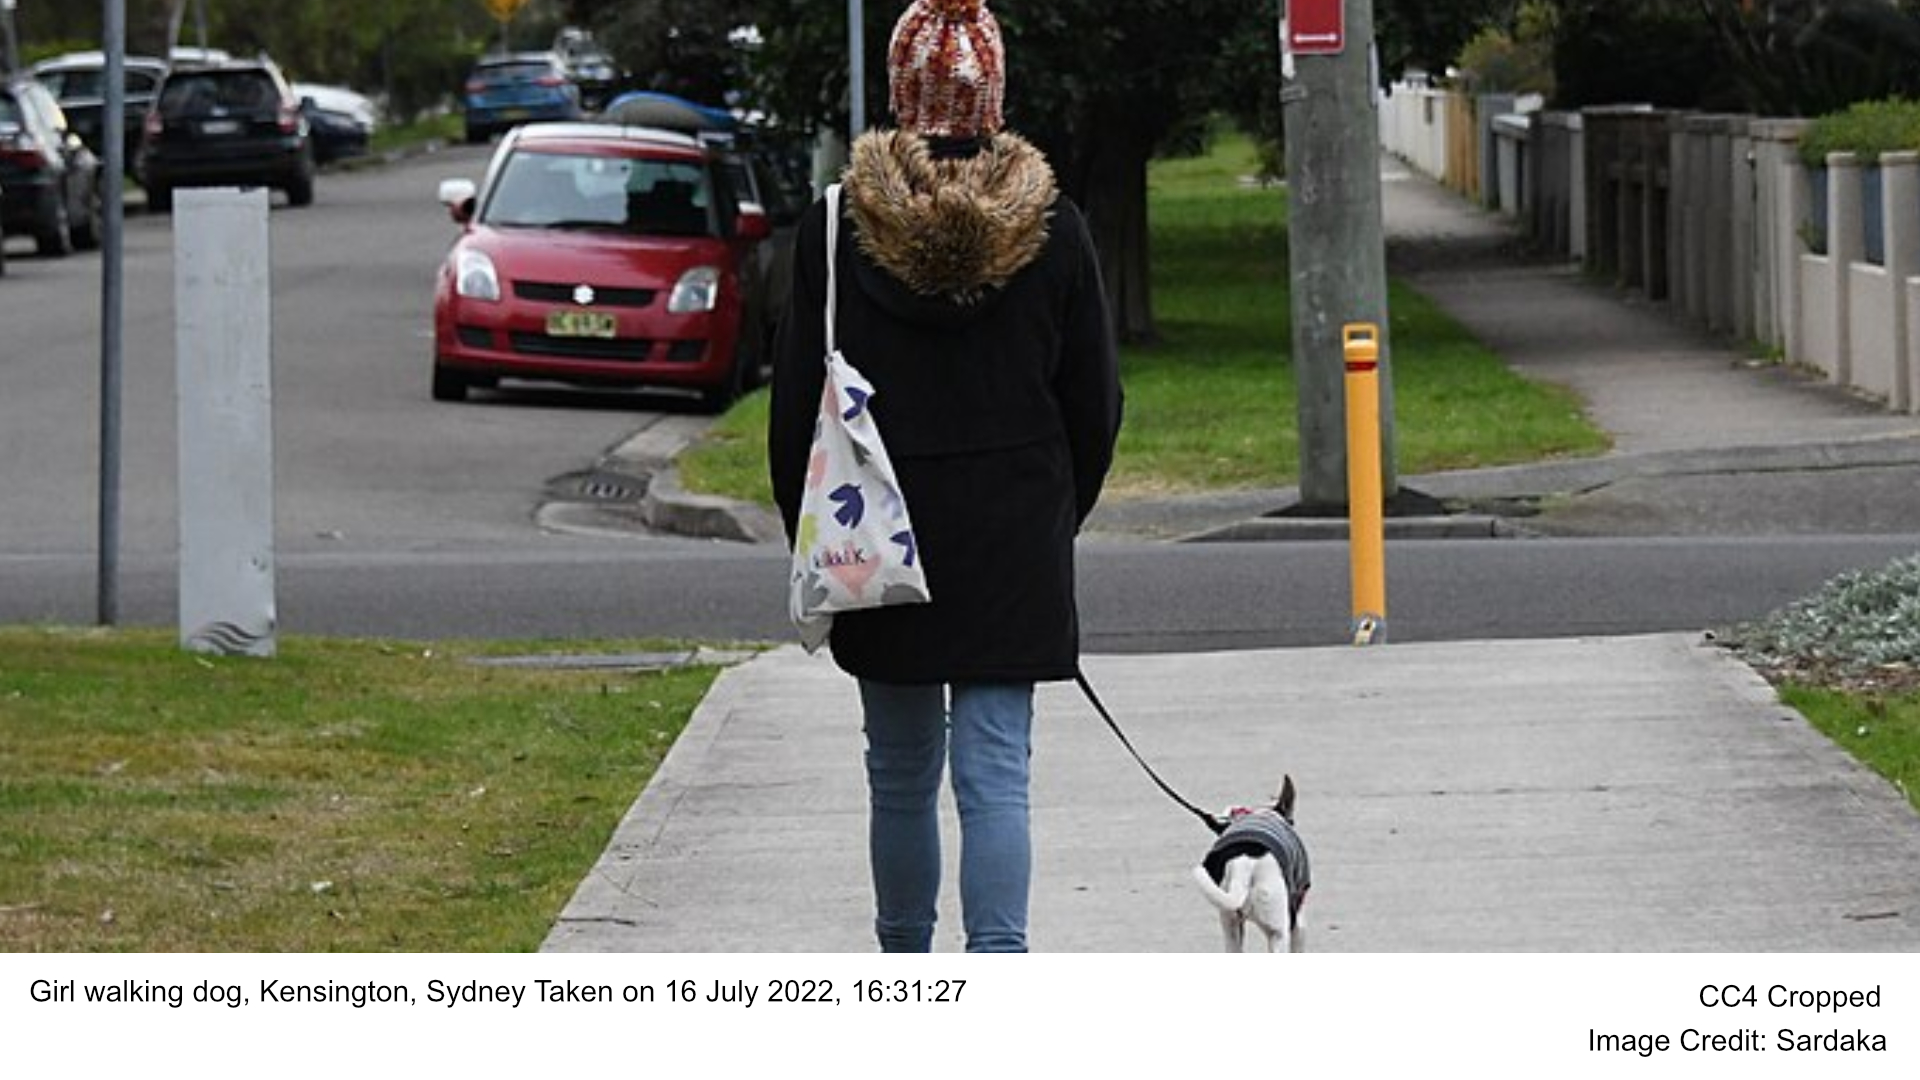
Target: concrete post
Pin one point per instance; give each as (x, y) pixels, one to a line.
(223, 340)
(1782, 210)
(1741, 164)
(1719, 240)
(1491, 108)
(1577, 182)
(1845, 246)
(1680, 216)
(1900, 195)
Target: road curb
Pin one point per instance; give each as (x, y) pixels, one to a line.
(668, 507)
(1432, 527)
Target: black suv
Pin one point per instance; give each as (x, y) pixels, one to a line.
(49, 180)
(235, 122)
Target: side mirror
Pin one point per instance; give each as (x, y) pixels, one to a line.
(457, 197)
(752, 224)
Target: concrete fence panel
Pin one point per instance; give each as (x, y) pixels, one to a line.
(1715, 215)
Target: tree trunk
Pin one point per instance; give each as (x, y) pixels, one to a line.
(1113, 192)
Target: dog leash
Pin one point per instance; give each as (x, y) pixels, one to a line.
(1211, 821)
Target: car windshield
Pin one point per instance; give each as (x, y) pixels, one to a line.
(197, 95)
(73, 83)
(586, 191)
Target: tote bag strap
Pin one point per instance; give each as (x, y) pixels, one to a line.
(833, 238)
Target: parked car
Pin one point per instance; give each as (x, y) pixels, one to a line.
(235, 122)
(49, 180)
(762, 175)
(342, 121)
(78, 80)
(598, 255)
(518, 88)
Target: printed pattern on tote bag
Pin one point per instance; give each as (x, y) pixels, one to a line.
(854, 546)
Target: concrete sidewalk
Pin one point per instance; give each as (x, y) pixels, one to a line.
(1636, 794)
(1642, 793)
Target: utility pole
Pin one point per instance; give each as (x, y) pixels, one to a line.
(856, 70)
(113, 119)
(12, 56)
(1338, 250)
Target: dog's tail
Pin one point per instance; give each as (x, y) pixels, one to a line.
(1231, 898)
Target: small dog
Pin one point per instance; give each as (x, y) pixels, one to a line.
(1257, 872)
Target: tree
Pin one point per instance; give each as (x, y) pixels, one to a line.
(682, 47)
(1428, 35)
(415, 52)
(1808, 57)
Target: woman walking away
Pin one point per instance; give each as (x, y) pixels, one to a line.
(970, 297)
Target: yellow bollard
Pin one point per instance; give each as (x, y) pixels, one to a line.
(1365, 502)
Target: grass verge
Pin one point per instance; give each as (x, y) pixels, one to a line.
(1881, 731)
(445, 128)
(1213, 405)
(1848, 658)
(348, 795)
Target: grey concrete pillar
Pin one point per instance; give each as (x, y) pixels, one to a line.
(1719, 238)
(1845, 246)
(223, 345)
(1900, 195)
(1742, 167)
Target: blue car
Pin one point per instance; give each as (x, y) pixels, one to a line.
(503, 92)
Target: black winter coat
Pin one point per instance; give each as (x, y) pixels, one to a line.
(996, 388)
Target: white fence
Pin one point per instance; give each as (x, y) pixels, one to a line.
(1715, 215)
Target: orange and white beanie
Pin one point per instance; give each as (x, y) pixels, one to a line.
(946, 69)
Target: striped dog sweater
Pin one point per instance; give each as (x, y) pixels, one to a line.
(1257, 833)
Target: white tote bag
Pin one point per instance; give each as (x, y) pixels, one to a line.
(854, 547)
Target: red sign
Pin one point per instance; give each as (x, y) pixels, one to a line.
(1316, 26)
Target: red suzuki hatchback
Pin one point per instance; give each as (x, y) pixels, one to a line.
(601, 256)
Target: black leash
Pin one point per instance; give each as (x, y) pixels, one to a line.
(1212, 822)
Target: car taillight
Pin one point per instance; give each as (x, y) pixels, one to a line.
(550, 81)
(154, 124)
(23, 150)
(475, 86)
(289, 119)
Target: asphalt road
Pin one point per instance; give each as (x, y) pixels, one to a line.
(361, 451)
(399, 516)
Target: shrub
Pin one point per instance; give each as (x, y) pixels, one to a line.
(1869, 129)
(1861, 623)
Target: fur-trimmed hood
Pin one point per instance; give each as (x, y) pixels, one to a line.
(951, 229)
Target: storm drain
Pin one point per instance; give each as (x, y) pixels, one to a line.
(599, 485)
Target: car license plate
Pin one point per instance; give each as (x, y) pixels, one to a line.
(515, 114)
(220, 127)
(594, 324)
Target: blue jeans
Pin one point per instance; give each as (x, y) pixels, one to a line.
(909, 729)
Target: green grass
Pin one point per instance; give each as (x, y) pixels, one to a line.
(347, 795)
(731, 456)
(1212, 406)
(1882, 731)
(446, 128)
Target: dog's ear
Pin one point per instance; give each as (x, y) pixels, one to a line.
(1284, 804)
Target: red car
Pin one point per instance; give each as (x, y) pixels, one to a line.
(600, 256)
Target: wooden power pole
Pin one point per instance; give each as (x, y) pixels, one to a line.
(1337, 243)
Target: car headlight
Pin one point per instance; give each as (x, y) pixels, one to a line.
(697, 290)
(474, 276)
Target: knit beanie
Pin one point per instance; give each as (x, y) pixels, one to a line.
(946, 70)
